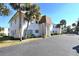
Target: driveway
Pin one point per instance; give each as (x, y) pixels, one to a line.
(58, 45)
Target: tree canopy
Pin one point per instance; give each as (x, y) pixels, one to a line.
(73, 24)
(4, 10)
(63, 22)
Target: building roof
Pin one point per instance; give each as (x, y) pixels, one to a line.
(45, 19)
(15, 15)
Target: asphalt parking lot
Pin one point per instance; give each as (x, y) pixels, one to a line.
(58, 45)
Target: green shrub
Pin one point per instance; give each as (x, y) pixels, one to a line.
(2, 34)
(52, 33)
(29, 35)
(8, 37)
(55, 33)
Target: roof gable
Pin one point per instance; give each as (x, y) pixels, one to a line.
(15, 15)
(45, 19)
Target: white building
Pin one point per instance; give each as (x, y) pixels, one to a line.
(37, 28)
(6, 31)
(56, 29)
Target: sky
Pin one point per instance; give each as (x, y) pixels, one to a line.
(56, 11)
(4, 20)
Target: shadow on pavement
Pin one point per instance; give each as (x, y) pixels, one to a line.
(76, 48)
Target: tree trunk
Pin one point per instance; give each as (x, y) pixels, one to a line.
(61, 29)
(20, 26)
(27, 28)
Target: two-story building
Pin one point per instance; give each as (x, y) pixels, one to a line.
(37, 28)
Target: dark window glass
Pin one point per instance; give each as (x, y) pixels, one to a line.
(29, 32)
(37, 31)
(36, 22)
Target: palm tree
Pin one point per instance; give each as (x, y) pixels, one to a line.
(73, 24)
(68, 29)
(32, 13)
(4, 10)
(74, 27)
(63, 24)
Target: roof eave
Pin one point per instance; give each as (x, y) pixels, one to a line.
(12, 17)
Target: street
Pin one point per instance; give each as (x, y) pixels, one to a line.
(57, 45)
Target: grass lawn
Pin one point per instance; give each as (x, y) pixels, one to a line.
(6, 43)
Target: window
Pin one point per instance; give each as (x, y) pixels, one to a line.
(32, 22)
(11, 24)
(36, 22)
(53, 31)
(36, 31)
(14, 32)
(14, 21)
(29, 32)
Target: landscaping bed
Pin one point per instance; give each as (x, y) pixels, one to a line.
(6, 41)
(3, 38)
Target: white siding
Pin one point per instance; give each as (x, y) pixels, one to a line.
(56, 30)
(42, 29)
(6, 31)
(32, 26)
(14, 27)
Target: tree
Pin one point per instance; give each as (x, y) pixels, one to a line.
(63, 24)
(74, 27)
(4, 10)
(1, 28)
(17, 7)
(68, 29)
(73, 24)
(77, 27)
(32, 12)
